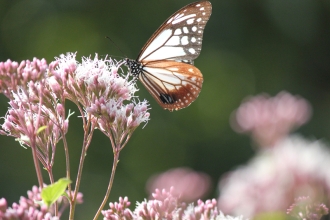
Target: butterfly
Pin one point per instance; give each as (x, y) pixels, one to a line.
(165, 63)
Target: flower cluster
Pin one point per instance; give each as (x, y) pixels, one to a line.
(14, 76)
(29, 209)
(99, 87)
(188, 185)
(274, 178)
(118, 210)
(285, 167)
(37, 93)
(36, 116)
(268, 120)
(91, 80)
(166, 205)
(304, 208)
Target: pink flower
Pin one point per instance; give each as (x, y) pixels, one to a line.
(304, 208)
(14, 75)
(188, 185)
(118, 210)
(105, 93)
(165, 205)
(275, 177)
(91, 80)
(268, 120)
(37, 93)
(28, 209)
(36, 117)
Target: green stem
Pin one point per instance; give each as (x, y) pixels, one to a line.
(37, 166)
(114, 166)
(88, 133)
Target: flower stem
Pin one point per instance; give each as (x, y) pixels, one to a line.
(88, 134)
(81, 164)
(37, 166)
(67, 160)
(114, 166)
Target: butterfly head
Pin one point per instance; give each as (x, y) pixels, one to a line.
(134, 66)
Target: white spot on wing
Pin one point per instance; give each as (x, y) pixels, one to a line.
(165, 53)
(169, 86)
(202, 8)
(164, 75)
(146, 80)
(178, 20)
(156, 43)
(174, 41)
(179, 16)
(185, 30)
(190, 21)
(184, 40)
(170, 20)
(193, 39)
(199, 19)
(177, 31)
(194, 28)
(183, 77)
(192, 50)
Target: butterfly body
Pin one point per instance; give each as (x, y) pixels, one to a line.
(165, 63)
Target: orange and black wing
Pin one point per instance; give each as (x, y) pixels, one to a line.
(174, 85)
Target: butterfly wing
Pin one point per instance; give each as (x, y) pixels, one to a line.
(174, 85)
(180, 36)
(164, 63)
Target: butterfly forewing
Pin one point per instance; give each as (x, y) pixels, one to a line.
(174, 85)
(180, 36)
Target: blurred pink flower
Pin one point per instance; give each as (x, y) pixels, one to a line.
(268, 120)
(188, 185)
(276, 176)
(304, 208)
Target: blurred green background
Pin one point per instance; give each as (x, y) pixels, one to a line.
(249, 47)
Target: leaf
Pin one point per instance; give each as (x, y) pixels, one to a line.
(41, 129)
(51, 193)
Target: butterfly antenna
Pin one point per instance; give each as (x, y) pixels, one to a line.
(116, 46)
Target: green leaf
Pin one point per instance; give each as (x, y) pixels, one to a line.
(41, 129)
(52, 192)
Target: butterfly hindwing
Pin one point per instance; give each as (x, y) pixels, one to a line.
(180, 36)
(174, 85)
